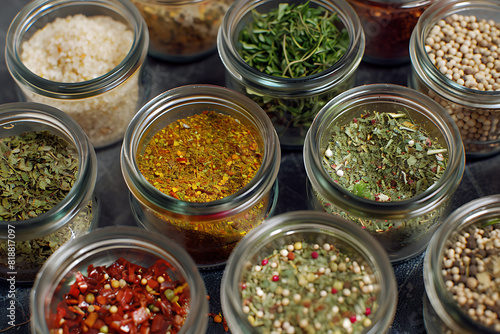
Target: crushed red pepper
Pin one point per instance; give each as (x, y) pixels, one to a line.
(202, 158)
(123, 298)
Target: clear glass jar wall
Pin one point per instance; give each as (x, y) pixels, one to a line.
(453, 249)
(102, 248)
(208, 230)
(466, 81)
(27, 244)
(260, 251)
(182, 31)
(92, 71)
(388, 26)
(404, 227)
(290, 103)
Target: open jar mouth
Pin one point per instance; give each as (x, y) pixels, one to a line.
(343, 108)
(314, 228)
(102, 247)
(473, 213)
(421, 62)
(241, 12)
(37, 14)
(186, 101)
(20, 117)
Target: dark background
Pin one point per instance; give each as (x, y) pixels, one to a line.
(480, 179)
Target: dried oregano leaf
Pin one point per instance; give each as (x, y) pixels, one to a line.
(37, 170)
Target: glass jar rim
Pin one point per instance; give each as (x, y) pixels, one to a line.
(429, 73)
(104, 240)
(52, 220)
(468, 214)
(288, 87)
(400, 3)
(38, 9)
(316, 222)
(170, 2)
(412, 207)
(246, 197)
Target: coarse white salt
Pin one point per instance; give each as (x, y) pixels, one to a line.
(76, 49)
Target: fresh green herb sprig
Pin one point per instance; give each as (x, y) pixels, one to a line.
(293, 40)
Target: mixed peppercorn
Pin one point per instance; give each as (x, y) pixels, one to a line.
(471, 271)
(306, 288)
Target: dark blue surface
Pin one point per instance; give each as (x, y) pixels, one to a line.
(480, 179)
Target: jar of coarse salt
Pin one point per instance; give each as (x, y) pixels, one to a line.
(454, 51)
(84, 58)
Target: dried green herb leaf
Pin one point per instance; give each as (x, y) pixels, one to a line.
(37, 171)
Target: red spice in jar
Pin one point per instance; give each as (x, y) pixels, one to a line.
(123, 298)
(388, 26)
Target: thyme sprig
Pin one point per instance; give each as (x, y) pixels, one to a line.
(293, 40)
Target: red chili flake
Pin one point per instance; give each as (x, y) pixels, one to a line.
(314, 255)
(167, 300)
(355, 120)
(276, 278)
(353, 319)
(291, 256)
(368, 311)
(374, 121)
(334, 291)
(264, 262)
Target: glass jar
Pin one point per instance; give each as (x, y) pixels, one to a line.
(71, 71)
(208, 230)
(475, 111)
(388, 25)
(456, 248)
(27, 244)
(290, 103)
(335, 242)
(102, 247)
(182, 31)
(404, 227)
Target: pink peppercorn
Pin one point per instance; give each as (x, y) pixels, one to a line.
(243, 286)
(353, 319)
(334, 291)
(264, 262)
(314, 255)
(276, 278)
(368, 311)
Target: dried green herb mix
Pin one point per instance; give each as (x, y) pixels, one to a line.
(37, 170)
(384, 157)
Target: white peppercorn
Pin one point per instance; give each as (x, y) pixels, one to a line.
(463, 48)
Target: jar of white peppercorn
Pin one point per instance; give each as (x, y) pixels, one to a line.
(454, 51)
(47, 181)
(82, 57)
(462, 271)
